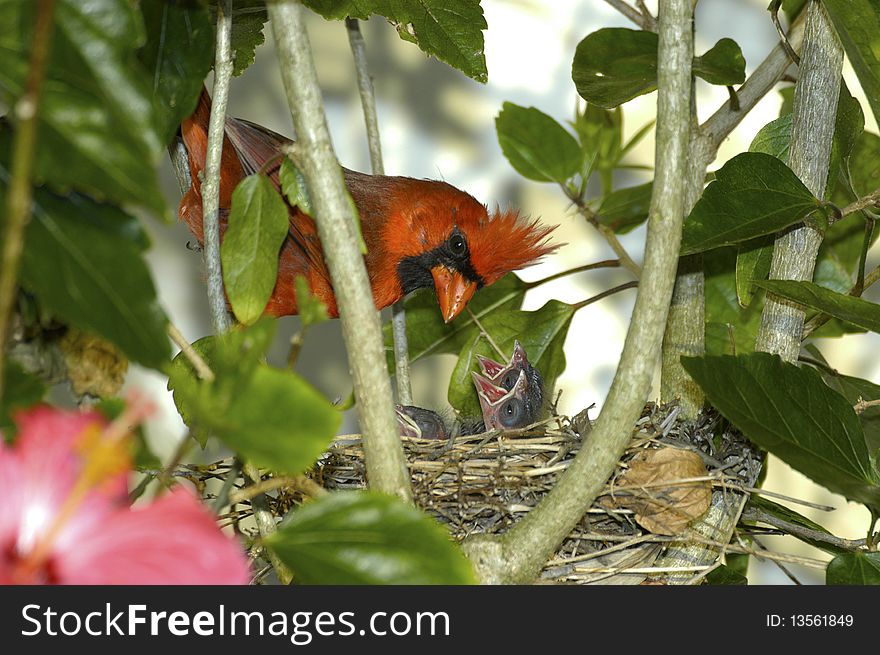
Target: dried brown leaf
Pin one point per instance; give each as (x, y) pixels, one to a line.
(659, 487)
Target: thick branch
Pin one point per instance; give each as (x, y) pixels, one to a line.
(814, 113)
(386, 465)
(368, 101)
(211, 183)
(519, 555)
(24, 145)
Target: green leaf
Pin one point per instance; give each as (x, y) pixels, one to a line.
(537, 146)
(293, 184)
(600, 133)
(542, 334)
(730, 328)
(723, 64)
(99, 130)
(21, 390)
(426, 332)
(789, 515)
(774, 138)
(614, 65)
(724, 575)
(273, 417)
(450, 30)
(854, 389)
(84, 263)
(625, 209)
(258, 224)
(792, 413)
(248, 17)
(351, 537)
(753, 195)
(845, 307)
(179, 52)
(753, 259)
(854, 569)
(857, 23)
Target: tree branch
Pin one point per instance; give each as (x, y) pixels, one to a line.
(211, 183)
(641, 18)
(814, 113)
(24, 144)
(368, 101)
(607, 233)
(336, 220)
(518, 556)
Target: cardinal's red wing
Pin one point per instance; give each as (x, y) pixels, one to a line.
(256, 146)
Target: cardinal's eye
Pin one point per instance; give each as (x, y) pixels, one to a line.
(512, 413)
(457, 244)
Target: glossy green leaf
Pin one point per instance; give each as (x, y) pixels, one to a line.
(753, 259)
(790, 516)
(542, 334)
(774, 138)
(537, 146)
(723, 64)
(179, 52)
(625, 209)
(271, 416)
(248, 17)
(84, 263)
(349, 537)
(450, 30)
(20, 390)
(857, 23)
(845, 307)
(753, 195)
(854, 569)
(99, 129)
(293, 184)
(258, 224)
(426, 332)
(730, 328)
(614, 65)
(854, 389)
(792, 413)
(724, 575)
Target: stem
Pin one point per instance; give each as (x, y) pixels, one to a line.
(18, 208)
(605, 263)
(605, 294)
(870, 200)
(821, 319)
(607, 233)
(754, 514)
(266, 525)
(368, 102)
(814, 113)
(641, 18)
(518, 556)
(386, 465)
(201, 367)
(211, 183)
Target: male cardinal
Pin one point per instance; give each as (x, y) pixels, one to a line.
(419, 233)
(511, 396)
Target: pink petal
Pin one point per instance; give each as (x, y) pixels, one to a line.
(174, 540)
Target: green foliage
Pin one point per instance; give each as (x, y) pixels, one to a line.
(293, 184)
(857, 23)
(725, 575)
(753, 195)
(537, 146)
(730, 327)
(845, 307)
(614, 65)
(258, 224)
(542, 334)
(625, 209)
(753, 259)
(351, 537)
(792, 413)
(21, 390)
(84, 262)
(248, 17)
(272, 417)
(179, 52)
(450, 30)
(789, 515)
(855, 389)
(854, 569)
(100, 131)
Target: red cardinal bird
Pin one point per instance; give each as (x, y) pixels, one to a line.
(419, 233)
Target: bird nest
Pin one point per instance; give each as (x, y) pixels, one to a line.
(485, 483)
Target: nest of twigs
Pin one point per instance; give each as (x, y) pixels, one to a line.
(485, 483)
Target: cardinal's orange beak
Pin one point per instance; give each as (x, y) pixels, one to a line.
(453, 291)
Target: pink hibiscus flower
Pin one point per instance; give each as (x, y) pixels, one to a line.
(65, 517)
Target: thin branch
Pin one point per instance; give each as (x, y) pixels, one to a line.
(857, 290)
(754, 514)
(642, 18)
(485, 333)
(607, 233)
(368, 102)
(863, 404)
(201, 367)
(211, 183)
(865, 202)
(24, 144)
(519, 554)
(386, 464)
(605, 263)
(605, 294)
